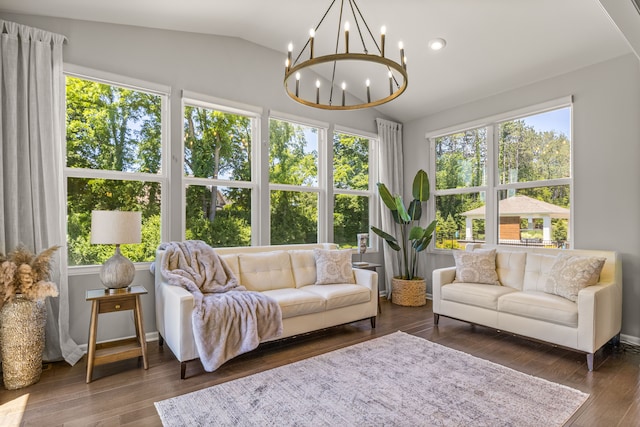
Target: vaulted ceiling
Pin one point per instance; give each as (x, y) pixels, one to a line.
(492, 45)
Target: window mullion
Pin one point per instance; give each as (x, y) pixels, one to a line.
(491, 202)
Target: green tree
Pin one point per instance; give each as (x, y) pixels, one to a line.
(116, 129)
(217, 146)
(292, 161)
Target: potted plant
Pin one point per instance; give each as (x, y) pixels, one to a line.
(24, 285)
(407, 288)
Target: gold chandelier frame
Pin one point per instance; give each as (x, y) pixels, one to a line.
(294, 68)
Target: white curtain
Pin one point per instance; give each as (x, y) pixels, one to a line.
(31, 142)
(391, 174)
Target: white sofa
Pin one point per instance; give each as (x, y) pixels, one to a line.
(285, 273)
(521, 306)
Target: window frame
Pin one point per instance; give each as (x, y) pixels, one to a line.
(162, 177)
(325, 176)
(493, 186)
(371, 193)
(225, 106)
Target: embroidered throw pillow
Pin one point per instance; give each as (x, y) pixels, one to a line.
(571, 273)
(333, 266)
(476, 267)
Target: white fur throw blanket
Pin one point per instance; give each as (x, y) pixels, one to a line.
(227, 319)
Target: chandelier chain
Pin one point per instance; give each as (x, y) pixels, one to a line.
(333, 74)
(364, 45)
(316, 29)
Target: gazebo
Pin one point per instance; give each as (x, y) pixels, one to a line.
(511, 210)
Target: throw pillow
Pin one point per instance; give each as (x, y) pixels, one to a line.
(571, 273)
(476, 267)
(333, 266)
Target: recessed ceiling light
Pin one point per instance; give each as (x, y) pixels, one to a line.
(437, 44)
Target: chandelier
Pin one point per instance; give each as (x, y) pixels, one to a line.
(380, 78)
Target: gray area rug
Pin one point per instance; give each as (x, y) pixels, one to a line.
(395, 380)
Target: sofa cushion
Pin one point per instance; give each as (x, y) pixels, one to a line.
(479, 295)
(540, 306)
(571, 273)
(232, 262)
(303, 263)
(265, 271)
(340, 295)
(333, 266)
(510, 267)
(295, 302)
(537, 271)
(478, 266)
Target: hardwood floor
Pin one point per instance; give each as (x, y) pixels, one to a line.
(123, 393)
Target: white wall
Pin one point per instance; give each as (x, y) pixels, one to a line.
(221, 67)
(606, 157)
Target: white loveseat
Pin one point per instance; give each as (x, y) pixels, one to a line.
(285, 273)
(521, 306)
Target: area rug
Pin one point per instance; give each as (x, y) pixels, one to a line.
(396, 380)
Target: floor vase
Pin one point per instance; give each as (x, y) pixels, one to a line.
(22, 324)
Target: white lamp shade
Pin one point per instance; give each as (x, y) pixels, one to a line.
(116, 227)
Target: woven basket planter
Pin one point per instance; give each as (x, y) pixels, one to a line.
(411, 293)
(22, 323)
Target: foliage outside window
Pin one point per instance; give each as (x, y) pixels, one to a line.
(294, 182)
(113, 162)
(530, 199)
(217, 170)
(460, 181)
(352, 192)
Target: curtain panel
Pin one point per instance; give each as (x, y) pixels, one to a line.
(31, 157)
(391, 174)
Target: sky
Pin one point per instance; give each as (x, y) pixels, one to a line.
(557, 120)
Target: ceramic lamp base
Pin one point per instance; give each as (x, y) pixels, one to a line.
(117, 272)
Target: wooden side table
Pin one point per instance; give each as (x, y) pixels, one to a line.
(105, 302)
(369, 266)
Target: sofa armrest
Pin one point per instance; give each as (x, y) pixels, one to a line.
(368, 278)
(441, 277)
(599, 315)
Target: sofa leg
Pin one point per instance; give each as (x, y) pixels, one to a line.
(183, 370)
(373, 322)
(160, 340)
(590, 361)
(436, 318)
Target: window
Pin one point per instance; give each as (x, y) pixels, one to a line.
(461, 185)
(352, 187)
(294, 181)
(114, 158)
(507, 182)
(218, 177)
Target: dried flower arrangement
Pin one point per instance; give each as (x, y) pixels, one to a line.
(23, 272)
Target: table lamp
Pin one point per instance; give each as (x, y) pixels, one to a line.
(116, 228)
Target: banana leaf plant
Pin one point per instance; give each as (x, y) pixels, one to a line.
(413, 238)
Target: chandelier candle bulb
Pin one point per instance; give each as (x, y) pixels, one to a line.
(346, 37)
(312, 34)
(289, 53)
(402, 57)
(383, 33)
(344, 87)
(390, 83)
(368, 82)
(297, 84)
(317, 91)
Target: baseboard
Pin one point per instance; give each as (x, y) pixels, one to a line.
(630, 339)
(149, 336)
